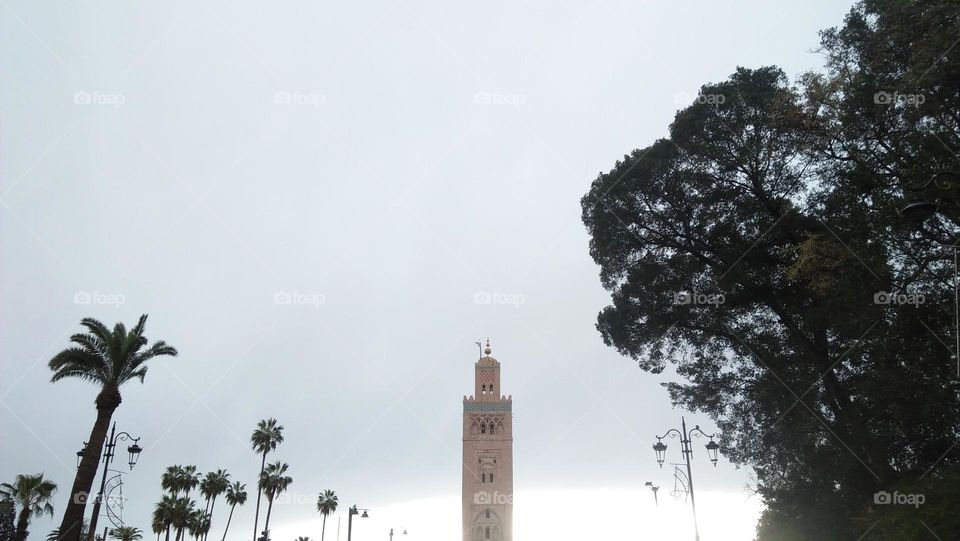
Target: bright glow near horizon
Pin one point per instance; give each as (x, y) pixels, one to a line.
(559, 515)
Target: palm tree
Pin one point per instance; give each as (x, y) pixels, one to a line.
(126, 533)
(236, 495)
(180, 515)
(170, 480)
(213, 485)
(163, 514)
(33, 494)
(302, 538)
(55, 533)
(327, 505)
(273, 482)
(266, 438)
(108, 359)
(198, 524)
(188, 479)
(157, 525)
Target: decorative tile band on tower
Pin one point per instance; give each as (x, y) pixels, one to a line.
(487, 456)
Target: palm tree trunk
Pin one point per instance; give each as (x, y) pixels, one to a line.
(323, 530)
(228, 523)
(23, 519)
(72, 522)
(213, 502)
(256, 517)
(266, 524)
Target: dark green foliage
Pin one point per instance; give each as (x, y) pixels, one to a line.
(783, 203)
(7, 526)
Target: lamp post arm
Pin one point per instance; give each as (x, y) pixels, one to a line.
(125, 436)
(698, 432)
(673, 433)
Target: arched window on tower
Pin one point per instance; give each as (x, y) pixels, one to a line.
(483, 428)
(488, 532)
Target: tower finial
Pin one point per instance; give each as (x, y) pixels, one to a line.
(487, 350)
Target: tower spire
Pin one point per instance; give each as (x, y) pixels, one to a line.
(487, 350)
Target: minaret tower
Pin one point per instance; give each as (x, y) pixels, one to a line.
(487, 456)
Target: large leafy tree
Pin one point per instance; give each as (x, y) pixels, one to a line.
(326, 505)
(265, 438)
(7, 517)
(888, 131)
(33, 495)
(108, 359)
(736, 250)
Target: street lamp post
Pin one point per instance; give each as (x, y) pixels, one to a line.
(354, 511)
(133, 453)
(686, 449)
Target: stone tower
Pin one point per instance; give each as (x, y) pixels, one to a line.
(487, 456)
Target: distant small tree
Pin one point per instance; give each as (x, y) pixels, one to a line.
(84, 530)
(326, 505)
(32, 494)
(126, 533)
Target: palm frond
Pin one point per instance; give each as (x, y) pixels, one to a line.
(80, 359)
(97, 329)
(110, 358)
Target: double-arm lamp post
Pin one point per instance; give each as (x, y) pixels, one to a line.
(354, 511)
(133, 453)
(686, 449)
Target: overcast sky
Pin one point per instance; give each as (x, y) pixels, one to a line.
(323, 205)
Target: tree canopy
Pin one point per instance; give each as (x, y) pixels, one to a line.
(760, 250)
